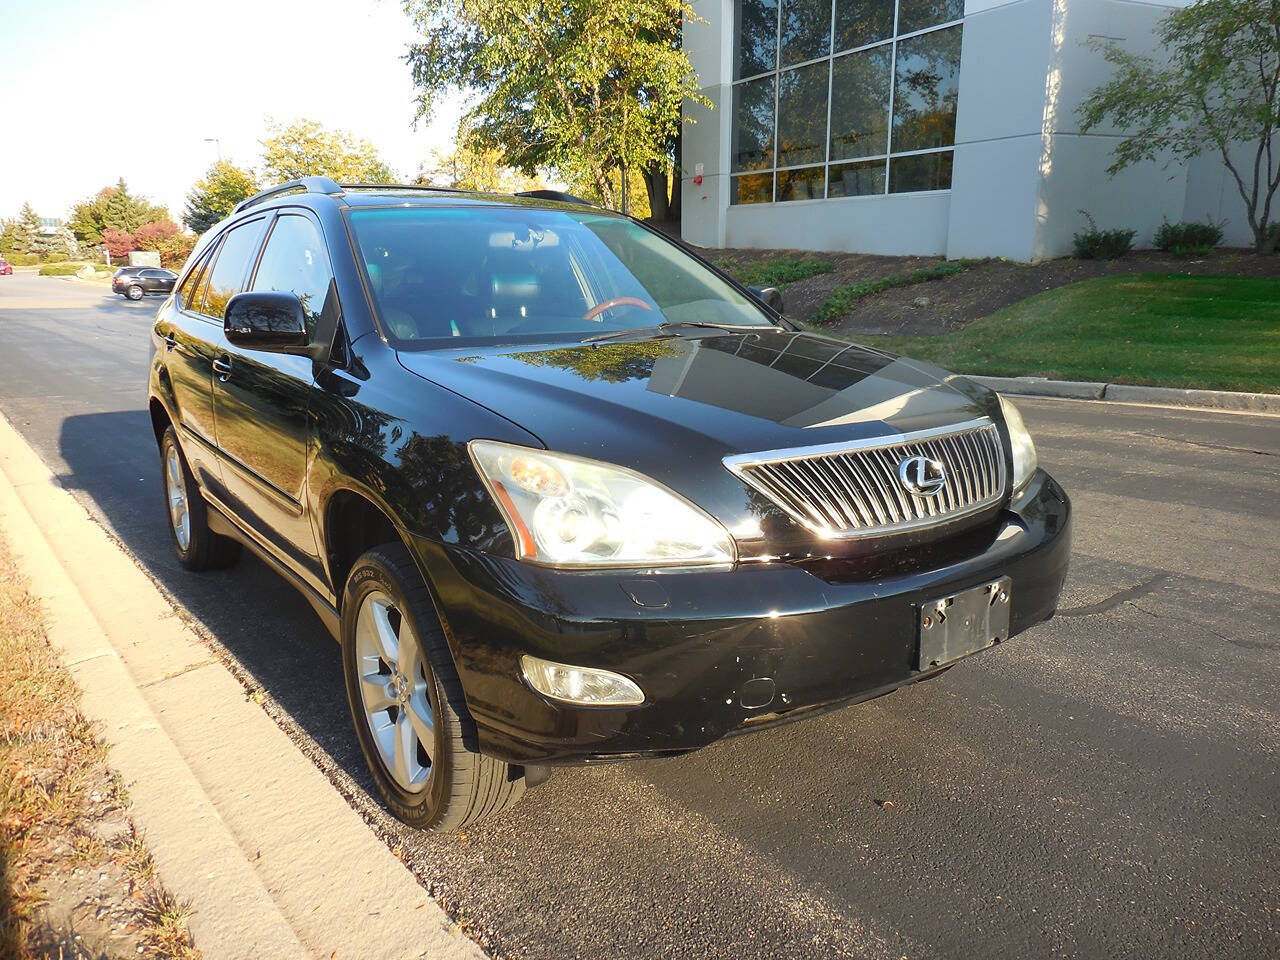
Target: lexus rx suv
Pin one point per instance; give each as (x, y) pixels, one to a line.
(566, 493)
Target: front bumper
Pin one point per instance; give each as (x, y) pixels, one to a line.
(699, 642)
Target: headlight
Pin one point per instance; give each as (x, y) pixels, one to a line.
(568, 512)
(1024, 451)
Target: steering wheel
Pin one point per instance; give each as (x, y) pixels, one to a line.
(600, 308)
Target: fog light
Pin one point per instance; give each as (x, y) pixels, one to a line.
(581, 685)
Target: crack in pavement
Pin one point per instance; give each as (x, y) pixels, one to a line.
(1118, 598)
(1211, 446)
(1245, 644)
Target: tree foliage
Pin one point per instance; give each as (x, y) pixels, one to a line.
(590, 85)
(1219, 91)
(113, 207)
(472, 166)
(216, 194)
(117, 242)
(305, 148)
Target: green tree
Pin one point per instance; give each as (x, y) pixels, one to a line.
(113, 207)
(305, 148)
(1216, 92)
(25, 231)
(589, 86)
(215, 195)
(472, 166)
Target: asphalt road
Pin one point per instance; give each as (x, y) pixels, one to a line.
(1103, 786)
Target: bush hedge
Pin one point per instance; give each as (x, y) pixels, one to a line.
(1187, 237)
(61, 269)
(1095, 244)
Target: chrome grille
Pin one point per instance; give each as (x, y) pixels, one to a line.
(854, 489)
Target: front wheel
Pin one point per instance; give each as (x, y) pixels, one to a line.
(402, 689)
(135, 292)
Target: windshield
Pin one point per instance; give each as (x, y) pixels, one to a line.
(487, 274)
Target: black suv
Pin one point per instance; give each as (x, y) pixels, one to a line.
(136, 282)
(564, 492)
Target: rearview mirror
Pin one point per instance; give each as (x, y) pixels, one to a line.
(771, 297)
(266, 320)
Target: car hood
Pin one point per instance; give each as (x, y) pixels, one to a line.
(673, 408)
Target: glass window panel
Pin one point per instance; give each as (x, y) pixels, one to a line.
(753, 125)
(802, 115)
(806, 30)
(228, 275)
(859, 22)
(808, 184)
(924, 96)
(915, 15)
(757, 50)
(857, 179)
(752, 188)
(860, 103)
(921, 171)
(295, 261)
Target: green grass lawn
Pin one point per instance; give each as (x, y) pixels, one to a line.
(1164, 329)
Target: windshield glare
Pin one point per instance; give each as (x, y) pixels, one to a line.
(488, 274)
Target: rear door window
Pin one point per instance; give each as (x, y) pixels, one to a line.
(231, 267)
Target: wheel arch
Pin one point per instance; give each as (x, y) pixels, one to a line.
(356, 520)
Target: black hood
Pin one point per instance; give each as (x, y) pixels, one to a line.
(673, 408)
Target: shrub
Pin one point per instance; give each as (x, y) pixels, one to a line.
(60, 269)
(777, 271)
(56, 258)
(1187, 237)
(1095, 244)
(22, 259)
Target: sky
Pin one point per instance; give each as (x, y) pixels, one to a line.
(92, 91)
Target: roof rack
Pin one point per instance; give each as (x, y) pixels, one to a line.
(559, 195)
(302, 184)
(404, 186)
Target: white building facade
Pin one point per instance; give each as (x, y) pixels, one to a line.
(927, 127)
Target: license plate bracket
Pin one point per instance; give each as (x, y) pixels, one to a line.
(962, 623)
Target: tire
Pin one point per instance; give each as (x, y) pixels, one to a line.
(134, 292)
(455, 787)
(198, 547)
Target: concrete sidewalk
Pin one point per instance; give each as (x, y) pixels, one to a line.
(240, 823)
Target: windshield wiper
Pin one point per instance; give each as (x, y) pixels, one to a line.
(669, 329)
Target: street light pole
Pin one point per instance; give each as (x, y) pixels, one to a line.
(217, 143)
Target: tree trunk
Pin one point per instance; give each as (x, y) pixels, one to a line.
(655, 186)
(677, 175)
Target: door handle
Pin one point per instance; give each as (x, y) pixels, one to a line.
(222, 367)
(170, 341)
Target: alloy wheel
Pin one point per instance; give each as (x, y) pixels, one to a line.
(176, 488)
(394, 686)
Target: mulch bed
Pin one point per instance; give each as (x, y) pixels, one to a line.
(942, 305)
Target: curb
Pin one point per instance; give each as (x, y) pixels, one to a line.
(1130, 393)
(240, 823)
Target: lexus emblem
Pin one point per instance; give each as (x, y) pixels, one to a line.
(922, 476)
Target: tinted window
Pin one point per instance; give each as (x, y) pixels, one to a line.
(295, 260)
(186, 293)
(489, 273)
(227, 278)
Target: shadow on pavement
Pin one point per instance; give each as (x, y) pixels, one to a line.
(258, 617)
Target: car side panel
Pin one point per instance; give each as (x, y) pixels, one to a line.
(263, 429)
(189, 343)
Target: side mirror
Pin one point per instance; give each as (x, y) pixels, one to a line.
(266, 320)
(770, 296)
